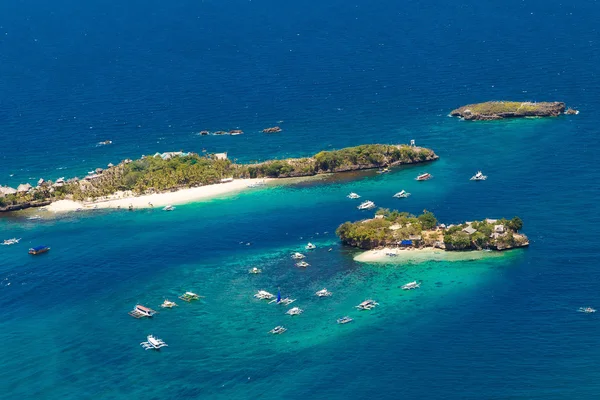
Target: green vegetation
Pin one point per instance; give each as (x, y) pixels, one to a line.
(389, 228)
(503, 109)
(154, 174)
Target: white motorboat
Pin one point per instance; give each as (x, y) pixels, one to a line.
(263, 295)
(366, 205)
(310, 246)
(255, 270)
(402, 195)
(479, 177)
(12, 241)
(344, 320)
(168, 304)
(34, 217)
(367, 305)
(302, 264)
(278, 330)
(169, 208)
(323, 293)
(424, 177)
(353, 196)
(295, 311)
(298, 256)
(411, 285)
(587, 310)
(153, 343)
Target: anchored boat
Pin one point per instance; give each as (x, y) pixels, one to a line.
(168, 304)
(411, 285)
(140, 311)
(366, 205)
(278, 330)
(367, 305)
(294, 311)
(302, 264)
(587, 310)
(189, 296)
(310, 246)
(323, 293)
(39, 250)
(424, 177)
(478, 177)
(12, 241)
(344, 320)
(353, 196)
(255, 270)
(298, 256)
(402, 195)
(153, 343)
(168, 208)
(263, 295)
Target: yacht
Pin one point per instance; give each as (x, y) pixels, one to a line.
(302, 264)
(323, 293)
(587, 310)
(353, 196)
(294, 311)
(402, 195)
(411, 285)
(366, 205)
(424, 177)
(277, 330)
(169, 208)
(298, 256)
(479, 177)
(153, 343)
(255, 270)
(310, 246)
(9, 242)
(344, 320)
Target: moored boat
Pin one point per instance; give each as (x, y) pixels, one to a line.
(12, 241)
(353, 196)
(424, 177)
(189, 296)
(367, 305)
(168, 208)
(263, 295)
(34, 218)
(310, 246)
(323, 293)
(411, 285)
(168, 304)
(153, 343)
(479, 176)
(402, 194)
(278, 330)
(587, 310)
(255, 270)
(366, 205)
(294, 311)
(298, 256)
(302, 264)
(139, 311)
(344, 320)
(39, 250)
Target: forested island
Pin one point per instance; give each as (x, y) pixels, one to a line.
(163, 172)
(393, 229)
(493, 110)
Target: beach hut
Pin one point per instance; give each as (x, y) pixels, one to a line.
(23, 188)
(470, 230)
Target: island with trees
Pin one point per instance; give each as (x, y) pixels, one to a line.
(173, 171)
(493, 110)
(394, 229)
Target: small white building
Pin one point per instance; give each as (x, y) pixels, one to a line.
(499, 228)
(221, 156)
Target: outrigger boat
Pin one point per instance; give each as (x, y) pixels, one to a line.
(140, 311)
(402, 195)
(34, 217)
(344, 320)
(587, 310)
(9, 242)
(153, 343)
(39, 250)
(257, 184)
(168, 304)
(366, 205)
(189, 296)
(294, 311)
(424, 177)
(353, 196)
(286, 302)
(169, 208)
(302, 264)
(478, 177)
(367, 305)
(278, 330)
(255, 270)
(263, 295)
(323, 293)
(298, 256)
(310, 246)
(411, 285)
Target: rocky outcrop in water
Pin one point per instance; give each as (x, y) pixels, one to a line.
(493, 110)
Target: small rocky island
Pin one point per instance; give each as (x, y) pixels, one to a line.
(393, 229)
(172, 171)
(493, 110)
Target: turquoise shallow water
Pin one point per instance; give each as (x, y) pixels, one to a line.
(149, 76)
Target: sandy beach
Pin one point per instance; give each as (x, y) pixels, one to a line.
(422, 255)
(183, 196)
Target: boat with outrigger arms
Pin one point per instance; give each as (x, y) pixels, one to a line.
(255, 270)
(263, 295)
(278, 330)
(424, 177)
(353, 196)
(479, 176)
(39, 250)
(168, 304)
(411, 285)
(153, 343)
(294, 311)
(366, 205)
(8, 242)
(168, 208)
(298, 256)
(310, 246)
(286, 302)
(344, 320)
(189, 296)
(402, 195)
(302, 264)
(139, 311)
(323, 293)
(587, 310)
(367, 305)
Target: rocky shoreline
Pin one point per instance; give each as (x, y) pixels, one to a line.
(494, 110)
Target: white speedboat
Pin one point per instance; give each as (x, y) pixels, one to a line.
(278, 330)
(402, 195)
(298, 256)
(587, 310)
(169, 208)
(302, 264)
(366, 205)
(353, 196)
(424, 177)
(12, 241)
(323, 293)
(344, 320)
(295, 311)
(153, 343)
(479, 177)
(310, 246)
(411, 285)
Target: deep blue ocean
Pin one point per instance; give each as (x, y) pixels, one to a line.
(149, 75)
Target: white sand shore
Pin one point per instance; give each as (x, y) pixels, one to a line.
(122, 200)
(422, 255)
